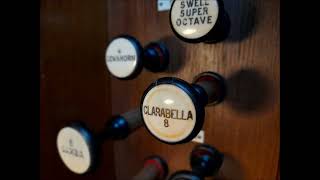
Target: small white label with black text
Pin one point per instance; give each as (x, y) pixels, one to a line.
(200, 137)
(164, 5)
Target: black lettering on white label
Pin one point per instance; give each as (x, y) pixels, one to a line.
(121, 57)
(169, 113)
(73, 150)
(194, 18)
(173, 114)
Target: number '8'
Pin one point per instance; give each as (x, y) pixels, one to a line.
(166, 123)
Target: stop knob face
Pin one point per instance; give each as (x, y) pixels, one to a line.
(79, 148)
(75, 147)
(124, 57)
(199, 20)
(206, 160)
(160, 163)
(185, 175)
(171, 110)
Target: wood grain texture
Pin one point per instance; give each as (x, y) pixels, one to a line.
(246, 126)
(74, 81)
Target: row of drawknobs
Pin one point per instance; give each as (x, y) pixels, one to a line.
(205, 161)
(192, 21)
(171, 109)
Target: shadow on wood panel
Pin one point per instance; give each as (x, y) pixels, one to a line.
(243, 17)
(230, 170)
(177, 53)
(248, 91)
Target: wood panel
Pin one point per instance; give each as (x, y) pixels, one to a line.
(74, 81)
(246, 125)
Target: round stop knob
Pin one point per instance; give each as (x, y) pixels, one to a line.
(205, 161)
(173, 110)
(185, 175)
(154, 168)
(155, 57)
(197, 21)
(125, 57)
(78, 147)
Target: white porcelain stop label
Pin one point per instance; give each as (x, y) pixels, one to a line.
(193, 19)
(121, 57)
(73, 150)
(169, 113)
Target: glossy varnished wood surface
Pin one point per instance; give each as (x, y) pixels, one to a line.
(74, 81)
(246, 125)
